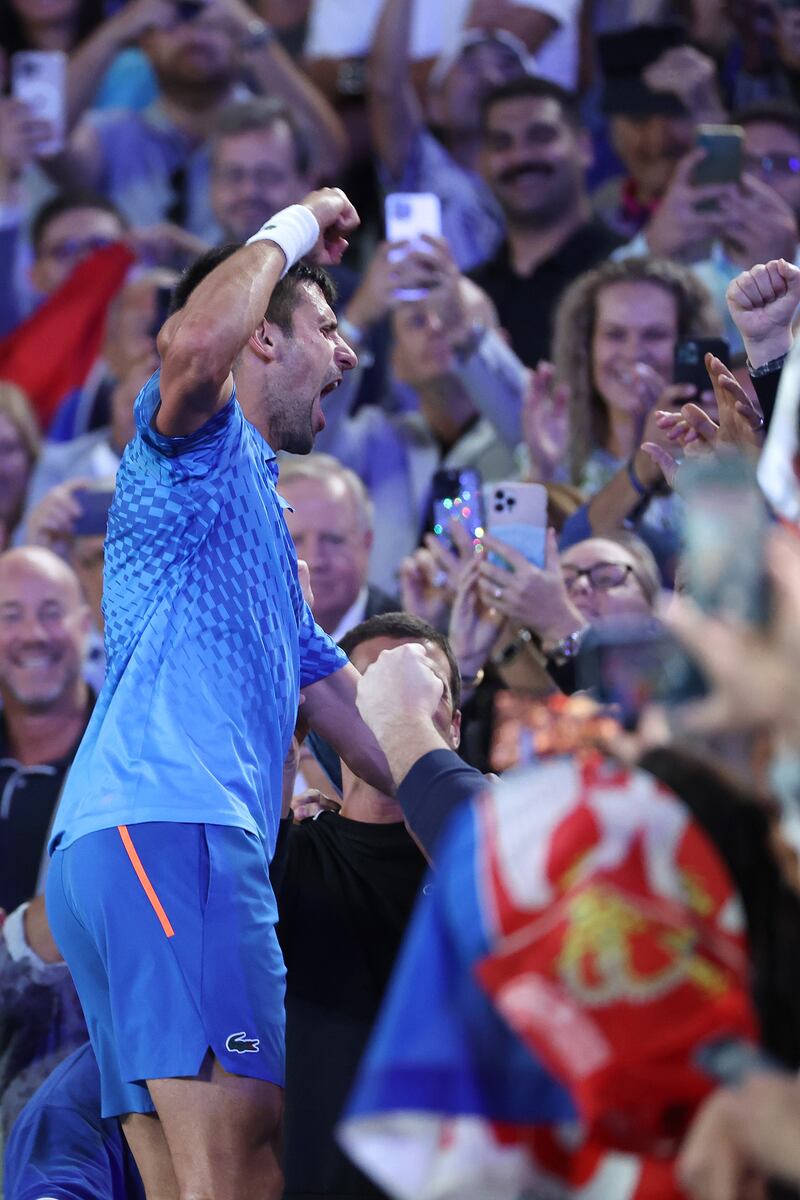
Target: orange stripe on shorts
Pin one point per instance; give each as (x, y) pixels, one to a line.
(150, 891)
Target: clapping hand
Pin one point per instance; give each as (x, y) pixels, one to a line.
(545, 422)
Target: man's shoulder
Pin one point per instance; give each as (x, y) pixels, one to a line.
(496, 267)
(597, 238)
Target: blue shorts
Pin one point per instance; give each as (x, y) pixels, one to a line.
(168, 930)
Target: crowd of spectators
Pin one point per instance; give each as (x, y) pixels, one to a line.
(532, 340)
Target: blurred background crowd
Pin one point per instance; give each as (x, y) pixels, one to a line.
(603, 307)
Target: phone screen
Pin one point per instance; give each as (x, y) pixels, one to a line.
(723, 160)
(409, 217)
(457, 497)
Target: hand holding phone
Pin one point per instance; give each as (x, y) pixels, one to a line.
(94, 504)
(517, 515)
(456, 496)
(410, 216)
(38, 80)
(722, 162)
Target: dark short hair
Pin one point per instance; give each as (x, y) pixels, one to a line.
(260, 114)
(530, 87)
(771, 112)
(284, 298)
(404, 625)
(64, 202)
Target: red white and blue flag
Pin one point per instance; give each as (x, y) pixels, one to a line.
(579, 943)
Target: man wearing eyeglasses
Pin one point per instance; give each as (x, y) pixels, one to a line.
(592, 581)
(772, 148)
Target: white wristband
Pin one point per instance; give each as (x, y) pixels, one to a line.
(294, 230)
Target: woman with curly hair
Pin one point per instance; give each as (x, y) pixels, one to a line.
(616, 329)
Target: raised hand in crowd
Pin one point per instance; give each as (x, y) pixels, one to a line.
(430, 578)
(52, 522)
(757, 223)
(536, 597)
(21, 133)
(762, 303)
(691, 76)
(689, 214)
(395, 267)
(474, 625)
(545, 424)
(740, 424)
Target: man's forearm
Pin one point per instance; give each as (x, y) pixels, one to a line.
(89, 62)
(330, 710)
(406, 743)
(615, 502)
(395, 112)
(496, 380)
(435, 786)
(199, 344)
(276, 74)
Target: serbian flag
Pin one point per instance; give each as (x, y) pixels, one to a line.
(51, 353)
(579, 944)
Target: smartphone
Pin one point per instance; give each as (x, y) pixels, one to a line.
(726, 526)
(723, 160)
(457, 496)
(632, 664)
(690, 364)
(517, 515)
(409, 216)
(38, 79)
(95, 503)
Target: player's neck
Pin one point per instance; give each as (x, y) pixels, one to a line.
(360, 802)
(47, 735)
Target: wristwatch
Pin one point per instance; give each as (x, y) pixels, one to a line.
(569, 647)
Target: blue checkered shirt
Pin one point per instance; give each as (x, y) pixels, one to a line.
(208, 637)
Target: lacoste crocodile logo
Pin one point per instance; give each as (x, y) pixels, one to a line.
(240, 1043)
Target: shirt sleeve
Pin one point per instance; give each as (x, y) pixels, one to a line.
(192, 455)
(438, 784)
(319, 654)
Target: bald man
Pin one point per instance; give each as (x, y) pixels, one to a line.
(44, 626)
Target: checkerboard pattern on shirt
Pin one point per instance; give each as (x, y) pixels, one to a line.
(208, 637)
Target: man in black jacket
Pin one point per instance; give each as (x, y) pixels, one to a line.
(346, 888)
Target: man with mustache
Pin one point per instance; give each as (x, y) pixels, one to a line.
(534, 156)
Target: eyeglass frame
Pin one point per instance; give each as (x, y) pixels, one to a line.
(578, 572)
